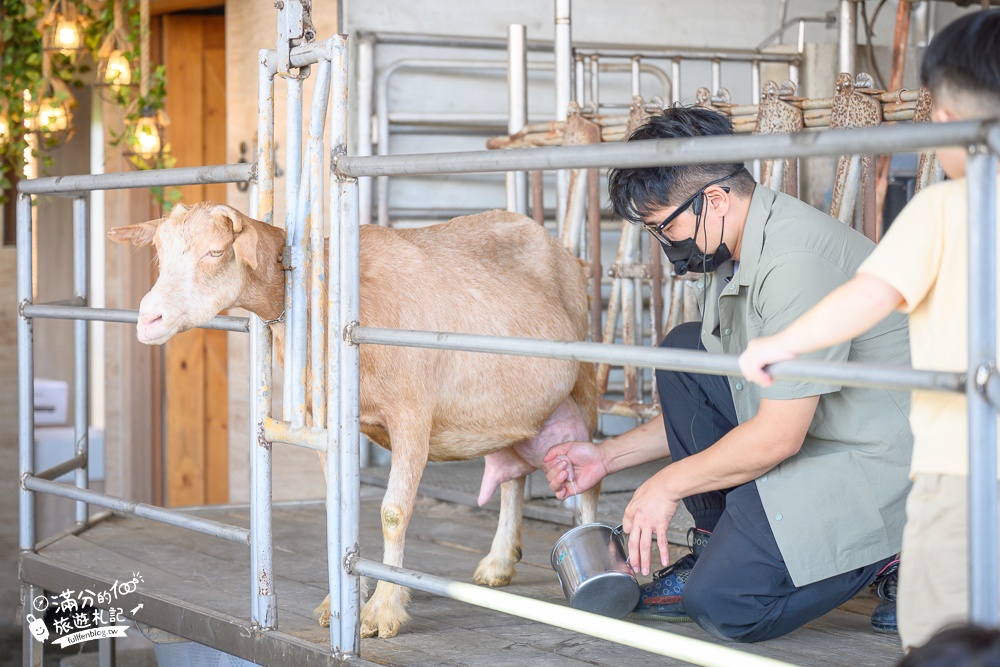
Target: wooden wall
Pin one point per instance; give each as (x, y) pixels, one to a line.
(196, 407)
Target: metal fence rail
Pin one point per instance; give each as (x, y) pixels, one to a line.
(701, 150)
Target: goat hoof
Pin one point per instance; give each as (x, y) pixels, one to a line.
(382, 619)
(493, 574)
(322, 613)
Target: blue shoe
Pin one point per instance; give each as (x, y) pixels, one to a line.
(884, 586)
(660, 599)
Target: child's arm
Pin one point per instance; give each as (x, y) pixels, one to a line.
(848, 311)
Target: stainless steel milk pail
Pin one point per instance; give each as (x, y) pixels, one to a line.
(593, 569)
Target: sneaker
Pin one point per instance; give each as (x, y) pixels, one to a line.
(660, 599)
(884, 586)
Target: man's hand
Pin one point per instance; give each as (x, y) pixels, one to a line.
(648, 515)
(574, 467)
(762, 352)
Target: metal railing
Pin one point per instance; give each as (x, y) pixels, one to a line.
(339, 385)
(983, 140)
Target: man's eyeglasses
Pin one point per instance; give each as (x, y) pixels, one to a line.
(658, 231)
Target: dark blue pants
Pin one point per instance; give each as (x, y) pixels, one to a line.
(739, 588)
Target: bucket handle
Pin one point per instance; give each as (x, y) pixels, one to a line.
(620, 534)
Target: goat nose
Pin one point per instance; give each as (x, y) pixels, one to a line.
(149, 318)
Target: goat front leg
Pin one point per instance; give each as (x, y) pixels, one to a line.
(385, 612)
(497, 568)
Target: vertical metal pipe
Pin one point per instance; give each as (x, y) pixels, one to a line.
(793, 76)
(564, 76)
(594, 252)
(984, 548)
(800, 44)
(595, 83)
(365, 100)
(675, 81)
(716, 75)
(334, 489)
(755, 81)
(81, 347)
(579, 78)
(296, 320)
(342, 526)
(263, 605)
(847, 34)
(316, 258)
(382, 114)
(350, 416)
(25, 375)
(517, 110)
(293, 224)
(636, 76)
(107, 655)
(32, 651)
(537, 197)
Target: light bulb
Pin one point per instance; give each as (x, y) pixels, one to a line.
(117, 72)
(67, 35)
(51, 116)
(147, 138)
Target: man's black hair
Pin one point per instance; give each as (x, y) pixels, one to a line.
(637, 192)
(957, 646)
(964, 57)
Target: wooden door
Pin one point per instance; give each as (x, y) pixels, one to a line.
(196, 409)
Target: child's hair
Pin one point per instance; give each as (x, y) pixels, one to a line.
(958, 646)
(962, 62)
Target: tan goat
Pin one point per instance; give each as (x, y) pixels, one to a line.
(494, 273)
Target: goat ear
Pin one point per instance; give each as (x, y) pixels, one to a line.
(245, 243)
(139, 234)
(235, 217)
(245, 246)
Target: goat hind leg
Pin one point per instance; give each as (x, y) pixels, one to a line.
(497, 568)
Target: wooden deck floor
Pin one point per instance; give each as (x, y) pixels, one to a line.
(198, 587)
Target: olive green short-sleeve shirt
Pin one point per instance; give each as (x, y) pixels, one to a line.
(838, 504)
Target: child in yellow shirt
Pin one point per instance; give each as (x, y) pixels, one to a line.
(921, 268)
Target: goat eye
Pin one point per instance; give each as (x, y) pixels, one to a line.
(216, 253)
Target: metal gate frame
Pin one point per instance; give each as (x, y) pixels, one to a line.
(338, 370)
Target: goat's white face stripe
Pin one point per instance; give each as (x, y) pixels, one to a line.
(194, 284)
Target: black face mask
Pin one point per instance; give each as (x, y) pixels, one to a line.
(684, 254)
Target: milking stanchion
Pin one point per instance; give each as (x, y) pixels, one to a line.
(336, 386)
(259, 638)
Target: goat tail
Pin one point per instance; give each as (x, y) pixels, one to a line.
(585, 394)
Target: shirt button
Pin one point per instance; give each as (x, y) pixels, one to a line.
(728, 331)
(739, 386)
(764, 478)
(778, 517)
(701, 283)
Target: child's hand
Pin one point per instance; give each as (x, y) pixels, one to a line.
(760, 353)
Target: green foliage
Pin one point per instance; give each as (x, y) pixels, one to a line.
(21, 68)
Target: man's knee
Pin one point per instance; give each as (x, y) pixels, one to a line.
(716, 611)
(686, 336)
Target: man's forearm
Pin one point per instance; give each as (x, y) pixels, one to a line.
(745, 453)
(640, 445)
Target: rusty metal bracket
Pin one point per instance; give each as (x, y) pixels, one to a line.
(295, 26)
(640, 271)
